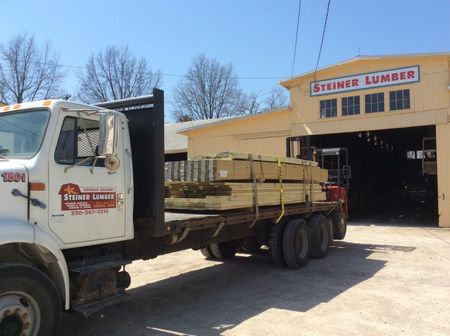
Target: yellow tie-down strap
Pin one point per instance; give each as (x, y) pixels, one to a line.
(280, 178)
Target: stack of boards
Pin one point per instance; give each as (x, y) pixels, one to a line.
(225, 181)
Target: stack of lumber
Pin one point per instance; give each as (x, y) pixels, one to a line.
(225, 181)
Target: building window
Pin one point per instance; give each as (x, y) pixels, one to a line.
(350, 105)
(328, 108)
(375, 102)
(399, 100)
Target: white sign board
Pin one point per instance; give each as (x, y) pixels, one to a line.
(366, 81)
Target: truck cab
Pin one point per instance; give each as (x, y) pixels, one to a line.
(66, 182)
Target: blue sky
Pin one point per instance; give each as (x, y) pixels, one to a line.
(256, 36)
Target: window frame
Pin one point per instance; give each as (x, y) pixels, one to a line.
(394, 98)
(75, 159)
(379, 102)
(355, 107)
(332, 109)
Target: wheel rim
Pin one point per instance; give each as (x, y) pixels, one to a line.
(19, 314)
(301, 244)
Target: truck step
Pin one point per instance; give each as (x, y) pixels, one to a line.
(99, 266)
(90, 308)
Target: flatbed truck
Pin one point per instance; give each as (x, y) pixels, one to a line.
(82, 196)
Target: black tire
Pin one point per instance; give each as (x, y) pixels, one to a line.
(224, 250)
(276, 243)
(296, 243)
(206, 251)
(320, 236)
(30, 290)
(339, 224)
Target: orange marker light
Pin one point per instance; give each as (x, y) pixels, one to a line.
(37, 186)
(47, 103)
(6, 108)
(17, 106)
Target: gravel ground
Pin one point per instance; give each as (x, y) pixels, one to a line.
(381, 280)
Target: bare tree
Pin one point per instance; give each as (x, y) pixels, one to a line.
(28, 71)
(248, 103)
(276, 99)
(209, 90)
(116, 74)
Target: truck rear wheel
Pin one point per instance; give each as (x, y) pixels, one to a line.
(320, 236)
(339, 224)
(276, 243)
(224, 250)
(296, 243)
(29, 302)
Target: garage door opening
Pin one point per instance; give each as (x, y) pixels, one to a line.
(393, 173)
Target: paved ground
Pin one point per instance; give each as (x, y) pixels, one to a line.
(382, 280)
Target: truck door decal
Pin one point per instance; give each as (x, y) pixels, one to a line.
(86, 200)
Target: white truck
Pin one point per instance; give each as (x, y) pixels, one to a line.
(82, 195)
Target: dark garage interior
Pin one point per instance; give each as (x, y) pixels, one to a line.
(392, 177)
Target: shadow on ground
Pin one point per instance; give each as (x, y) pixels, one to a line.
(217, 298)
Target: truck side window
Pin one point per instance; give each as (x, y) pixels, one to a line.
(76, 143)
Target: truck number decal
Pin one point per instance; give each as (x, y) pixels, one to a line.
(14, 177)
(87, 200)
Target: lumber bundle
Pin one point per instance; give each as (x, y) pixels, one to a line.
(233, 181)
(230, 168)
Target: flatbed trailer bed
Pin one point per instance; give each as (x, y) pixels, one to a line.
(178, 221)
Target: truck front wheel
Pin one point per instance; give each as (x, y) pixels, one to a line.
(29, 302)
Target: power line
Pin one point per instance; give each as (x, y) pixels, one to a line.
(323, 36)
(184, 76)
(296, 37)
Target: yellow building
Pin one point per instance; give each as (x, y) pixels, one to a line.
(382, 108)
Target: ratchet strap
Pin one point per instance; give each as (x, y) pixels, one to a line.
(280, 179)
(255, 191)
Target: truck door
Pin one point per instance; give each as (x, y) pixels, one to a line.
(86, 199)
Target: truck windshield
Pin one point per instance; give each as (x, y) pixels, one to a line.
(21, 133)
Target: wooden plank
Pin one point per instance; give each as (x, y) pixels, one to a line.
(256, 157)
(240, 170)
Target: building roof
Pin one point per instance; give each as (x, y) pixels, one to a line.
(178, 143)
(218, 122)
(290, 82)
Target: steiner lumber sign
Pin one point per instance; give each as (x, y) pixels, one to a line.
(366, 81)
(75, 198)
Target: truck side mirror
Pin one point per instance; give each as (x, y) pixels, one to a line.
(107, 135)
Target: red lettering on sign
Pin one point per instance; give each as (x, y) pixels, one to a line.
(411, 74)
(384, 78)
(395, 76)
(75, 198)
(402, 75)
(347, 83)
(316, 88)
(355, 82)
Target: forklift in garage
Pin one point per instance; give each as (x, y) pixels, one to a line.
(335, 160)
